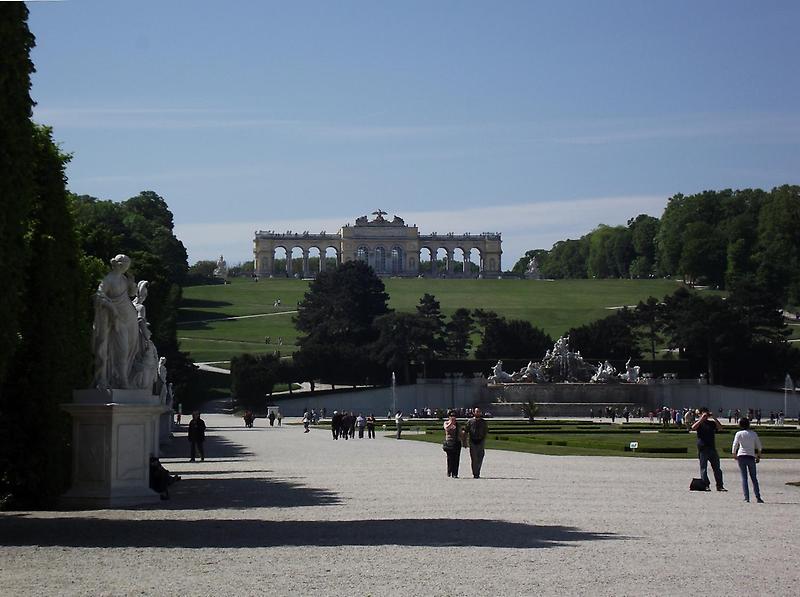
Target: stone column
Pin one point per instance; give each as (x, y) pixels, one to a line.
(305, 263)
(321, 261)
(450, 261)
(289, 268)
(434, 265)
(466, 266)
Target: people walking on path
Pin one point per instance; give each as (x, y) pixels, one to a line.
(746, 450)
(271, 418)
(371, 426)
(707, 427)
(279, 417)
(477, 429)
(197, 436)
(398, 422)
(306, 420)
(336, 422)
(361, 422)
(452, 444)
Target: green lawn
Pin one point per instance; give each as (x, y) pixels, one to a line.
(554, 306)
(584, 439)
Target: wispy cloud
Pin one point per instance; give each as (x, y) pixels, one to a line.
(599, 131)
(523, 226)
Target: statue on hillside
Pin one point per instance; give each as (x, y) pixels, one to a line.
(124, 354)
(221, 271)
(532, 272)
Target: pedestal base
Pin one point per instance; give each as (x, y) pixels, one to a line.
(114, 433)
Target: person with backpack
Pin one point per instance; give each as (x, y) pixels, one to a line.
(476, 431)
(707, 427)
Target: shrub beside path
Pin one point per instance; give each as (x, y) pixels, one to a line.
(277, 511)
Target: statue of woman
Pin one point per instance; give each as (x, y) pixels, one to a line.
(115, 333)
(145, 365)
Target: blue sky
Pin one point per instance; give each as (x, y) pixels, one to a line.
(536, 119)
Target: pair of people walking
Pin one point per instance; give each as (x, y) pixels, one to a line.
(473, 435)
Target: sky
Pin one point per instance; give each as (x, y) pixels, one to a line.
(539, 120)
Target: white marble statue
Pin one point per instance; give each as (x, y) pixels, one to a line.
(605, 373)
(532, 373)
(115, 332)
(631, 373)
(163, 386)
(145, 365)
(498, 375)
(221, 271)
(124, 355)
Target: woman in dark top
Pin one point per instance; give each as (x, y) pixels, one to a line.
(452, 444)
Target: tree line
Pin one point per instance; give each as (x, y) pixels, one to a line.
(713, 237)
(349, 336)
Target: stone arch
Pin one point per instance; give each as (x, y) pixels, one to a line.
(474, 261)
(362, 254)
(379, 260)
(396, 259)
(331, 258)
(279, 260)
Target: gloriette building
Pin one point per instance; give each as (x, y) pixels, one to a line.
(391, 247)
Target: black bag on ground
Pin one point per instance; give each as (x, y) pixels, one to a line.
(697, 485)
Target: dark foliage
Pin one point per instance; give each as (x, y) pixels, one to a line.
(510, 339)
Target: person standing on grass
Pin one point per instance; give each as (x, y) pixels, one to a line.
(707, 427)
(476, 431)
(197, 436)
(747, 452)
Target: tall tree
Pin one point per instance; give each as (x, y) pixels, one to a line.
(430, 310)
(16, 161)
(459, 330)
(53, 356)
(336, 317)
(613, 337)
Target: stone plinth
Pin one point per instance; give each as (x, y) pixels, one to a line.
(114, 433)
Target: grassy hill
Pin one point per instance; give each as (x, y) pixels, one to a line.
(554, 306)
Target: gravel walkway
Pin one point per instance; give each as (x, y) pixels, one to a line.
(277, 511)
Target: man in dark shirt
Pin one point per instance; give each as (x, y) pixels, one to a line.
(476, 431)
(706, 427)
(197, 436)
(336, 422)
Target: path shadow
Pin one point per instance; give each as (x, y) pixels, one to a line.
(216, 447)
(201, 534)
(198, 493)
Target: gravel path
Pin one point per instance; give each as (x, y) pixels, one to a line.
(277, 511)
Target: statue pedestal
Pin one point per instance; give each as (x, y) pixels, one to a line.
(114, 433)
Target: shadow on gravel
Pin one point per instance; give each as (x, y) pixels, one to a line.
(93, 532)
(243, 492)
(216, 447)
